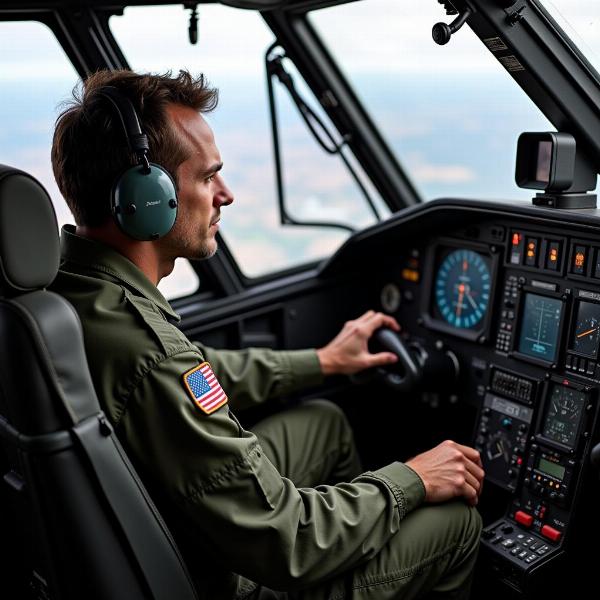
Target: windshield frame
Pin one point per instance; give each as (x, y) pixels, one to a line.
(568, 40)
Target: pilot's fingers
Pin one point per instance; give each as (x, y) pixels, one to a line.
(377, 320)
(365, 316)
(475, 470)
(380, 359)
(470, 493)
(473, 482)
(470, 453)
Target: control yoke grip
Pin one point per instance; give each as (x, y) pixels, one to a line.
(412, 371)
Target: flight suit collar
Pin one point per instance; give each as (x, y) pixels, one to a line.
(99, 257)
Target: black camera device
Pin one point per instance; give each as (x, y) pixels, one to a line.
(551, 162)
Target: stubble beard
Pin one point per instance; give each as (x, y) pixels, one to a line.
(203, 250)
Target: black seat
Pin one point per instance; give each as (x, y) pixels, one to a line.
(96, 533)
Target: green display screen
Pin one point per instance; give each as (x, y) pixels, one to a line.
(545, 466)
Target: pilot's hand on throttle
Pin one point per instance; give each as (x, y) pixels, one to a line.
(348, 352)
(448, 471)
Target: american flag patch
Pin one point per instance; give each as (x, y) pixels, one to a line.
(204, 388)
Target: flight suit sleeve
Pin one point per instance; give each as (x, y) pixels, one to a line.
(256, 521)
(254, 375)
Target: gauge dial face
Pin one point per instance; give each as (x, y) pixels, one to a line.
(462, 288)
(587, 329)
(563, 415)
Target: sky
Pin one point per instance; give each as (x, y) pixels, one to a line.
(452, 114)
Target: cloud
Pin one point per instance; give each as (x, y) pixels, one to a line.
(449, 174)
(30, 52)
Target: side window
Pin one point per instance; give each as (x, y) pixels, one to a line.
(34, 79)
(230, 52)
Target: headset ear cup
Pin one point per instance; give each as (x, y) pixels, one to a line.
(145, 204)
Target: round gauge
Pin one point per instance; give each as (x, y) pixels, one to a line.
(586, 336)
(562, 417)
(390, 298)
(587, 329)
(462, 288)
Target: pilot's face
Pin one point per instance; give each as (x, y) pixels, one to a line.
(202, 191)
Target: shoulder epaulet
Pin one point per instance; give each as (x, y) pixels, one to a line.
(170, 338)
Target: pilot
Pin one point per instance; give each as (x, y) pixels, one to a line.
(282, 511)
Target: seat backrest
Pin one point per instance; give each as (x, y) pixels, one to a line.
(96, 533)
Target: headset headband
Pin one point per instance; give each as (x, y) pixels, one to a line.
(137, 141)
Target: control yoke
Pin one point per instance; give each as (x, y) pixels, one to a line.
(418, 368)
(442, 32)
(411, 368)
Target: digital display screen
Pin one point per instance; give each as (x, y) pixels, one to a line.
(550, 468)
(544, 160)
(511, 409)
(540, 322)
(586, 335)
(563, 415)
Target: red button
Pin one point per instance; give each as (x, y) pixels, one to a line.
(551, 533)
(523, 518)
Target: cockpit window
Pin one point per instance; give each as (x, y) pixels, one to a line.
(36, 77)
(451, 113)
(580, 20)
(231, 53)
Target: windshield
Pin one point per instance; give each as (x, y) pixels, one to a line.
(452, 113)
(580, 20)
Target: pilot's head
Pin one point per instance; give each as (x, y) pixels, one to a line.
(90, 152)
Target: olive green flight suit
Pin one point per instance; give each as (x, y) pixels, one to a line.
(248, 507)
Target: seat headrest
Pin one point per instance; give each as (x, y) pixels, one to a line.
(29, 246)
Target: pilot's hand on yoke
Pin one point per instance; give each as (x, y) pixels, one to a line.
(448, 471)
(348, 352)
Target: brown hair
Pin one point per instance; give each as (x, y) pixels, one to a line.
(89, 148)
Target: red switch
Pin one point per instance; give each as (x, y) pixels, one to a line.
(551, 533)
(523, 518)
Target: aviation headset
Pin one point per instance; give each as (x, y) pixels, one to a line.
(143, 199)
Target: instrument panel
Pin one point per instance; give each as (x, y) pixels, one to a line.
(520, 309)
(545, 319)
(510, 294)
